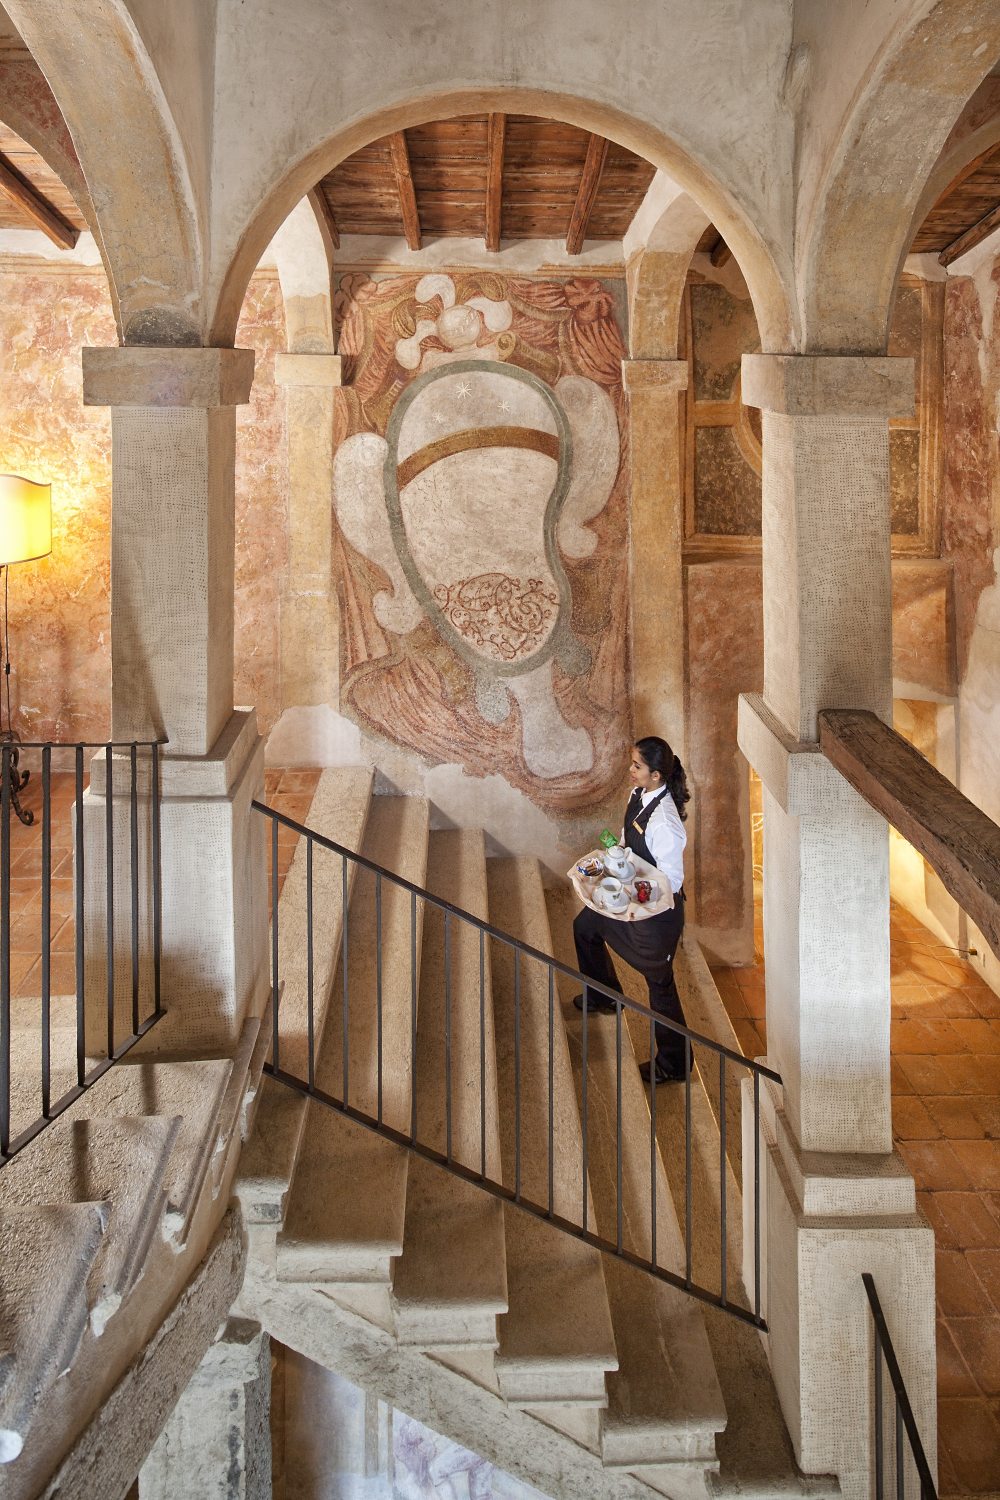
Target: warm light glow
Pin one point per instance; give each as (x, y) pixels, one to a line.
(25, 519)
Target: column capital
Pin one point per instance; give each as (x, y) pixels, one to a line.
(796, 772)
(323, 370)
(137, 375)
(828, 385)
(665, 375)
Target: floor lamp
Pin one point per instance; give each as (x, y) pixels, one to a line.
(25, 535)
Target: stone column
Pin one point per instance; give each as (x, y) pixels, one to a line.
(655, 389)
(172, 586)
(837, 1200)
(217, 1443)
(310, 662)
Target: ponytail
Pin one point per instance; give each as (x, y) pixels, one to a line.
(678, 784)
(659, 757)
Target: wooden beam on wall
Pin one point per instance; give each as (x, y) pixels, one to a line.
(720, 253)
(404, 184)
(971, 238)
(952, 833)
(323, 211)
(590, 181)
(38, 209)
(496, 132)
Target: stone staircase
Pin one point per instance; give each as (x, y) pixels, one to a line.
(572, 1371)
(119, 1263)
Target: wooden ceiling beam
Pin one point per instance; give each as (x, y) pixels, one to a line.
(404, 185)
(323, 211)
(720, 253)
(35, 207)
(971, 237)
(496, 133)
(586, 194)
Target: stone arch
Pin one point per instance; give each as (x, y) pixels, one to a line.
(764, 266)
(855, 229)
(89, 57)
(657, 272)
(303, 254)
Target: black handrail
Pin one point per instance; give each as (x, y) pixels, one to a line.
(12, 780)
(905, 1422)
(510, 1190)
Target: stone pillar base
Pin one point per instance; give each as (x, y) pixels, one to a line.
(214, 896)
(826, 1219)
(217, 1443)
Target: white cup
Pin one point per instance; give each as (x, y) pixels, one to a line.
(611, 894)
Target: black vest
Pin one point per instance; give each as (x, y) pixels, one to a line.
(636, 821)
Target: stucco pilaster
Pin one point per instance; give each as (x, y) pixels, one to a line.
(655, 388)
(310, 631)
(217, 1442)
(172, 590)
(837, 1201)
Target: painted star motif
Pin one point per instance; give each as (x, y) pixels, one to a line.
(440, 418)
(505, 406)
(464, 391)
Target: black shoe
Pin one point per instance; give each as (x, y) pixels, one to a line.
(596, 1002)
(659, 1075)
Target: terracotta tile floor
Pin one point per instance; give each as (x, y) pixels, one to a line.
(946, 1121)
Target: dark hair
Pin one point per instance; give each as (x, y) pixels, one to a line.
(658, 756)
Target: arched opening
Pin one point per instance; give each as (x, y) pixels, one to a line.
(498, 244)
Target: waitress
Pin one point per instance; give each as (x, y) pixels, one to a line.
(654, 830)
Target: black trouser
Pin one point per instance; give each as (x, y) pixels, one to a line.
(648, 946)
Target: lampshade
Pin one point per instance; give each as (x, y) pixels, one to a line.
(25, 519)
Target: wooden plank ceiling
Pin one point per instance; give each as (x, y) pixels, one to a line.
(493, 177)
(32, 196)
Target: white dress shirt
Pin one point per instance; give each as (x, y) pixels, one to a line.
(665, 838)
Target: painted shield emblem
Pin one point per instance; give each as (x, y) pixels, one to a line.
(475, 476)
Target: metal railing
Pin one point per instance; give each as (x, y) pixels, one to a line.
(60, 1030)
(631, 1224)
(905, 1450)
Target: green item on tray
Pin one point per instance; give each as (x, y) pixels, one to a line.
(608, 839)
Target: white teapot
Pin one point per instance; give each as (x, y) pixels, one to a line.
(618, 863)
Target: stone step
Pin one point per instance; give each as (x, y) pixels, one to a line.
(556, 1340)
(199, 1092)
(755, 1452)
(121, 1163)
(334, 1231)
(47, 1252)
(339, 810)
(450, 1282)
(665, 1407)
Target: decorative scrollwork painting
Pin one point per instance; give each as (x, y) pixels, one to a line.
(481, 502)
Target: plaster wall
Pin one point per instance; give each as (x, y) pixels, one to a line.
(704, 81)
(60, 607)
(971, 535)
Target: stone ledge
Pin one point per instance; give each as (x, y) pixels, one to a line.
(796, 773)
(186, 776)
(320, 370)
(139, 376)
(802, 385)
(834, 1185)
(664, 375)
